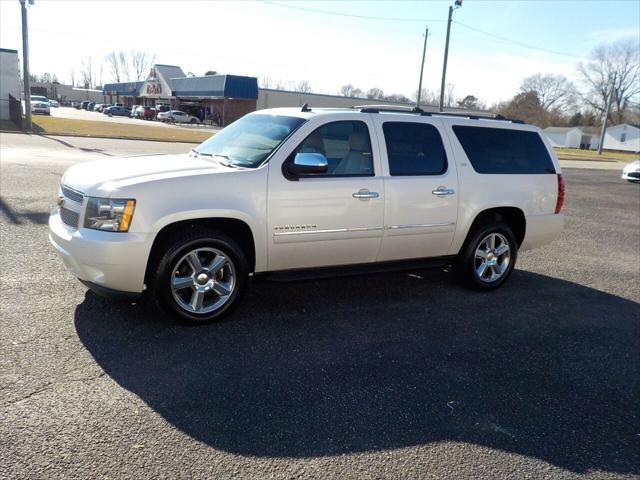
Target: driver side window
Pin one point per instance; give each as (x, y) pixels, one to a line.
(346, 146)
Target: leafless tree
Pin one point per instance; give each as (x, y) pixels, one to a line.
(266, 82)
(427, 97)
(287, 85)
(86, 72)
(375, 93)
(113, 61)
(616, 66)
(124, 67)
(554, 91)
(397, 97)
(73, 77)
(350, 91)
(141, 62)
(303, 86)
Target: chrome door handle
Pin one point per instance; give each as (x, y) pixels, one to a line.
(442, 191)
(364, 193)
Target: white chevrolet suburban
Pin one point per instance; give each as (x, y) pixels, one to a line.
(294, 193)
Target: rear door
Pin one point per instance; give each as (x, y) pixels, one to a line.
(421, 187)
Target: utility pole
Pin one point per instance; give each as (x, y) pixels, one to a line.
(424, 51)
(457, 3)
(606, 117)
(25, 67)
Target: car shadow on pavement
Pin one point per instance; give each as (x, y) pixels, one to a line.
(542, 367)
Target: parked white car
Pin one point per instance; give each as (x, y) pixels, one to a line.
(293, 193)
(54, 104)
(177, 116)
(40, 106)
(631, 172)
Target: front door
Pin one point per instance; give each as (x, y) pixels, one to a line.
(421, 188)
(327, 219)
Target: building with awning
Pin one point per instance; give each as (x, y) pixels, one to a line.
(220, 99)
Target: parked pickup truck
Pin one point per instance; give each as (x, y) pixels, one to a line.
(297, 193)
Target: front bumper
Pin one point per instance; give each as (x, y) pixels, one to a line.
(114, 261)
(631, 175)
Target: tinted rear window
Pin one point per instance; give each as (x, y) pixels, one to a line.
(414, 149)
(504, 151)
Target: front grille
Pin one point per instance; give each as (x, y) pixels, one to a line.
(69, 217)
(72, 194)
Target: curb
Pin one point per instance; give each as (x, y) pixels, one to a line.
(168, 140)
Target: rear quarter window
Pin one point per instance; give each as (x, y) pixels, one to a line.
(504, 151)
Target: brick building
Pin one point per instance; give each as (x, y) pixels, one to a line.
(220, 98)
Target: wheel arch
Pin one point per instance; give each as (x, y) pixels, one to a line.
(514, 217)
(237, 229)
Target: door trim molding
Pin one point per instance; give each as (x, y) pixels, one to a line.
(420, 225)
(331, 230)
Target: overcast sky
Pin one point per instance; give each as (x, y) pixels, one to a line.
(288, 41)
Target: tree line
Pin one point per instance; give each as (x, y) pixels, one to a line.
(544, 98)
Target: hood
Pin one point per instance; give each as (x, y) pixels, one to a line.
(100, 177)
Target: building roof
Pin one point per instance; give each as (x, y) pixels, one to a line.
(230, 86)
(558, 129)
(123, 88)
(169, 71)
(632, 125)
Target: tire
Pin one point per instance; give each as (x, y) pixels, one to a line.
(468, 267)
(111, 114)
(176, 266)
(193, 120)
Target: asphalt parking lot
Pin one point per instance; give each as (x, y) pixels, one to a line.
(389, 376)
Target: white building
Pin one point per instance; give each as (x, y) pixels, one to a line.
(573, 137)
(564, 136)
(622, 137)
(9, 80)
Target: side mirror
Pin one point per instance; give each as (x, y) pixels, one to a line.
(308, 163)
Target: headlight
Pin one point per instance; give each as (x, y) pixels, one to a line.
(109, 214)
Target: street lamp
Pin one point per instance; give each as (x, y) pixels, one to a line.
(456, 4)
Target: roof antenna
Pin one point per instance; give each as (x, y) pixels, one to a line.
(305, 108)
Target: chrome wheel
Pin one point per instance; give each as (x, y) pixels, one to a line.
(203, 280)
(492, 257)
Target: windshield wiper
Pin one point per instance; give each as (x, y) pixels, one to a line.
(201, 154)
(226, 163)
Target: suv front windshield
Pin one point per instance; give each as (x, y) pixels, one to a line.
(249, 141)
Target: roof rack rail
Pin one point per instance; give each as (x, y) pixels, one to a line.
(419, 111)
(305, 108)
(387, 108)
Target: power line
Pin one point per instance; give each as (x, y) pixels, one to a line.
(516, 42)
(392, 19)
(350, 15)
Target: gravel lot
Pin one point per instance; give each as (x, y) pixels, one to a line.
(390, 376)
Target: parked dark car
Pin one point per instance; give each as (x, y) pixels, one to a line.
(117, 111)
(144, 112)
(162, 108)
(90, 106)
(85, 104)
